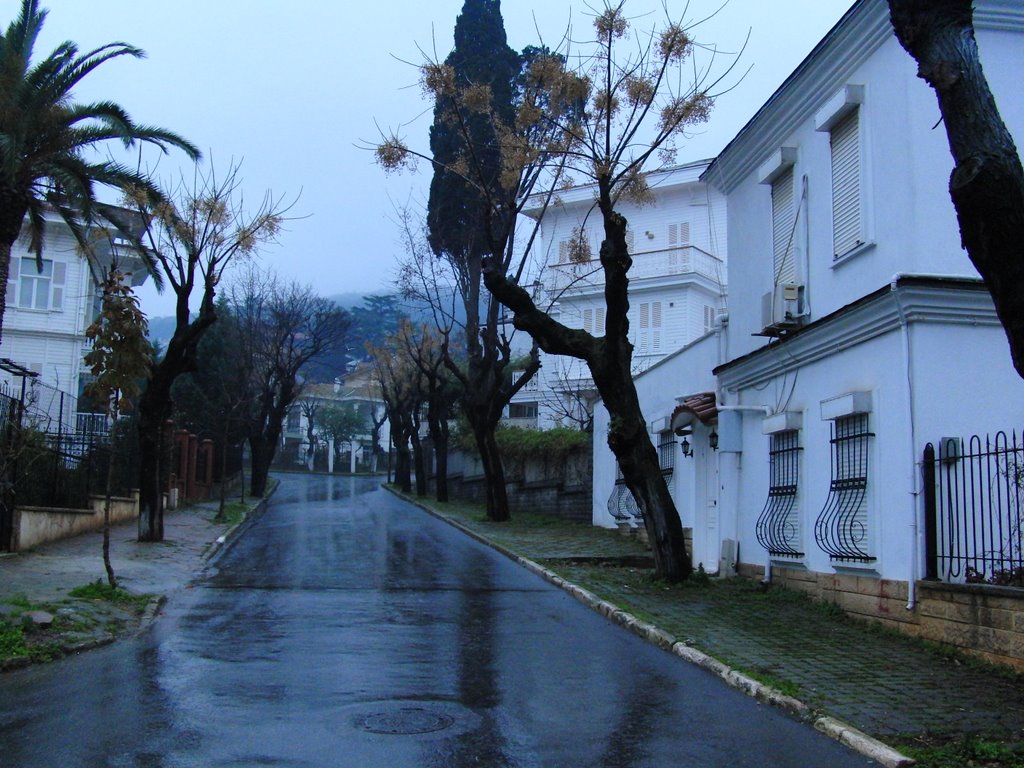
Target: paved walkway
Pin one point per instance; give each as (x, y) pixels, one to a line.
(49, 572)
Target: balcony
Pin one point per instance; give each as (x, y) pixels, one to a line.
(533, 385)
(668, 262)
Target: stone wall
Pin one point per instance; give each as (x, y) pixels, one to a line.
(984, 620)
(559, 488)
(37, 525)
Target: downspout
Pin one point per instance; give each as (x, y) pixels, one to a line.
(915, 490)
(719, 400)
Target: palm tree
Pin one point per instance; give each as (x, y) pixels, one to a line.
(46, 138)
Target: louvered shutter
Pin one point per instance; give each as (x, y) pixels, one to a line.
(846, 214)
(783, 225)
(60, 269)
(655, 326)
(599, 322)
(12, 282)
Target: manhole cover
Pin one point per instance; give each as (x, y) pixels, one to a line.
(407, 721)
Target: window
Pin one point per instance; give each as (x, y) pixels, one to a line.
(294, 415)
(679, 234)
(28, 288)
(678, 237)
(593, 321)
(778, 527)
(522, 410)
(840, 117)
(783, 228)
(667, 451)
(842, 528)
(650, 327)
(846, 213)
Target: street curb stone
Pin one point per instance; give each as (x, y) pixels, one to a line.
(842, 732)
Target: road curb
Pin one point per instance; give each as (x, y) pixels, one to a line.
(842, 732)
(224, 542)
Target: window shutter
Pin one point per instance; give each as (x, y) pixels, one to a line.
(12, 283)
(599, 322)
(679, 234)
(783, 225)
(588, 320)
(563, 251)
(645, 316)
(629, 240)
(846, 219)
(655, 326)
(60, 269)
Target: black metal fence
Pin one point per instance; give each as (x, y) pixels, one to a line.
(973, 494)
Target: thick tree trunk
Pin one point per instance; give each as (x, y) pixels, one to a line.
(631, 443)
(609, 359)
(494, 472)
(12, 213)
(154, 409)
(260, 469)
(987, 182)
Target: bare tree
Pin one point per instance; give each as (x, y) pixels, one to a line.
(193, 237)
(284, 327)
(608, 120)
(987, 182)
(404, 391)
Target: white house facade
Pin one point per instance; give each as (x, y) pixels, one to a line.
(48, 312)
(857, 333)
(677, 282)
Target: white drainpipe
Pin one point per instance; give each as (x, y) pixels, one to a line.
(915, 479)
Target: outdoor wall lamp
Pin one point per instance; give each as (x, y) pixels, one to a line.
(713, 440)
(687, 450)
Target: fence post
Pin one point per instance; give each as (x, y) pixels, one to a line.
(931, 540)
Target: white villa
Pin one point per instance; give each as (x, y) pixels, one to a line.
(793, 433)
(48, 312)
(357, 389)
(677, 283)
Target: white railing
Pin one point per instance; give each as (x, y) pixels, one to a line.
(687, 260)
(531, 386)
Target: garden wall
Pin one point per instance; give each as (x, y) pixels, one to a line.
(981, 619)
(559, 487)
(37, 525)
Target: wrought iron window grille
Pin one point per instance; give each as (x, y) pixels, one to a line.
(778, 527)
(667, 452)
(841, 529)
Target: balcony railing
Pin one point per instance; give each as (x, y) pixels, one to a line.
(687, 260)
(530, 386)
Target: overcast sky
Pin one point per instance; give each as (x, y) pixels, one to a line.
(290, 89)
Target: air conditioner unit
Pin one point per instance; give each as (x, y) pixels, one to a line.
(782, 308)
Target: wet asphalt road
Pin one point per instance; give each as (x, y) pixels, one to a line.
(348, 628)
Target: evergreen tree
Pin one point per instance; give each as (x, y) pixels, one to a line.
(465, 219)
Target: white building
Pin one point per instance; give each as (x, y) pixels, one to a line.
(677, 282)
(48, 312)
(857, 331)
(358, 390)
